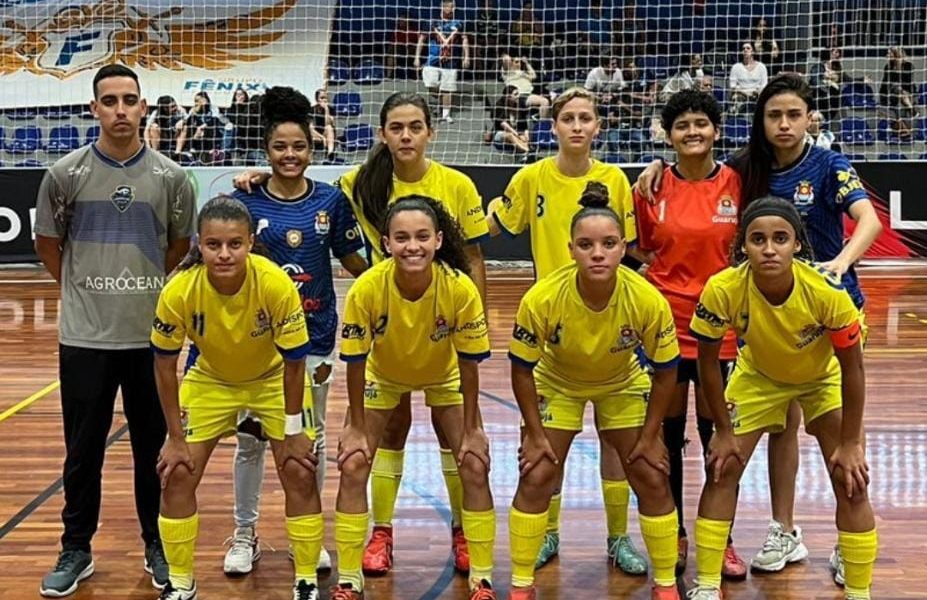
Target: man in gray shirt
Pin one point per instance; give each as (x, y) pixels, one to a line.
(113, 218)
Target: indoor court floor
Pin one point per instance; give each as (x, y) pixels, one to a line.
(32, 450)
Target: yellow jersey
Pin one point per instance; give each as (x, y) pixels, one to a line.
(453, 189)
(580, 351)
(413, 343)
(541, 198)
(788, 342)
(241, 338)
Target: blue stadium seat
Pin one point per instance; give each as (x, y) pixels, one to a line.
(63, 139)
(646, 159)
(736, 131)
(22, 114)
(922, 94)
(30, 163)
(885, 133)
(855, 130)
(338, 72)
(632, 138)
(615, 158)
(892, 156)
(358, 136)
(720, 95)
(923, 156)
(347, 104)
(60, 112)
(26, 140)
(858, 95)
(370, 72)
(93, 134)
(855, 157)
(920, 128)
(2, 138)
(542, 136)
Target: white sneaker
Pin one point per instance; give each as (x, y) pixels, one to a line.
(304, 590)
(244, 551)
(836, 566)
(779, 549)
(447, 119)
(325, 560)
(700, 592)
(171, 593)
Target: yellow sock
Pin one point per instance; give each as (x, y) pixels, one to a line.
(526, 534)
(710, 542)
(660, 538)
(178, 537)
(385, 476)
(305, 533)
(553, 514)
(617, 494)
(454, 487)
(350, 533)
(859, 553)
(480, 530)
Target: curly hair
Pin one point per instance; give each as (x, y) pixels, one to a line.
(284, 105)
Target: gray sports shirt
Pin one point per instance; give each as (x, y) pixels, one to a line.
(116, 220)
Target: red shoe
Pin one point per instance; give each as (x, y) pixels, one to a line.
(378, 555)
(734, 567)
(483, 591)
(344, 591)
(460, 550)
(523, 593)
(664, 592)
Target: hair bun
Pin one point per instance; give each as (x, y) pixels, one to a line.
(284, 104)
(594, 196)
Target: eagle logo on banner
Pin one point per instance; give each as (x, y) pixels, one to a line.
(89, 35)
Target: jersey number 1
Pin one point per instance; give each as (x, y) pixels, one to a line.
(199, 323)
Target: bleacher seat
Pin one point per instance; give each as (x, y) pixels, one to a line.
(93, 134)
(855, 157)
(542, 136)
(923, 156)
(2, 138)
(646, 159)
(370, 72)
(63, 139)
(338, 72)
(615, 158)
(855, 130)
(30, 163)
(858, 94)
(60, 113)
(26, 140)
(736, 131)
(720, 95)
(347, 104)
(920, 128)
(885, 133)
(922, 94)
(631, 138)
(358, 136)
(892, 156)
(22, 114)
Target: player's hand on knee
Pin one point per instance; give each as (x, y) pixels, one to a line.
(532, 451)
(653, 452)
(353, 440)
(174, 453)
(853, 473)
(300, 449)
(476, 443)
(723, 449)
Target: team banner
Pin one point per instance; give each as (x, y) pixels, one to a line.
(50, 49)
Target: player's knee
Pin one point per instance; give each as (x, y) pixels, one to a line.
(297, 479)
(181, 485)
(838, 482)
(540, 481)
(355, 470)
(646, 480)
(473, 471)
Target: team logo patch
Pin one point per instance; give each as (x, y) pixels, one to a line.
(726, 212)
(628, 338)
(294, 237)
(804, 194)
(442, 330)
(122, 197)
(322, 222)
(808, 334)
(261, 323)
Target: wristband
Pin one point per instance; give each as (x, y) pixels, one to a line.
(294, 424)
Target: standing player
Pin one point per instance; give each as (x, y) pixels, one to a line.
(399, 166)
(823, 186)
(686, 237)
(803, 344)
(392, 349)
(112, 219)
(542, 198)
(247, 321)
(448, 51)
(301, 223)
(578, 337)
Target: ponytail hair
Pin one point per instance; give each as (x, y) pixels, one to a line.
(374, 184)
(219, 208)
(765, 207)
(754, 161)
(594, 202)
(453, 245)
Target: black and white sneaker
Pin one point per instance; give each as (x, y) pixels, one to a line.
(304, 590)
(171, 593)
(156, 565)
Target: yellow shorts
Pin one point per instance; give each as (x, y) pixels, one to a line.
(385, 396)
(756, 402)
(625, 409)
(211, 408)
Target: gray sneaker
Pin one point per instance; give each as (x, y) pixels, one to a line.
(156, 565)
(73, 566)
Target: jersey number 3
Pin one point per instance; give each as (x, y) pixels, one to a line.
(540, 207)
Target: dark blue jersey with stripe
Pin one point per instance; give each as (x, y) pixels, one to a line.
(822, 185)
(301, 235)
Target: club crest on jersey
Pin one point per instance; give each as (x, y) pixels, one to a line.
(627, 338)
(294, 237)
(442, 330)
(808, 334)
(261, 323)
(322, 222)
(122, 197)
(726, 211)
(804, 194)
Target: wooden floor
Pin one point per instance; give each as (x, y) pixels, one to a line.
(31, 453)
